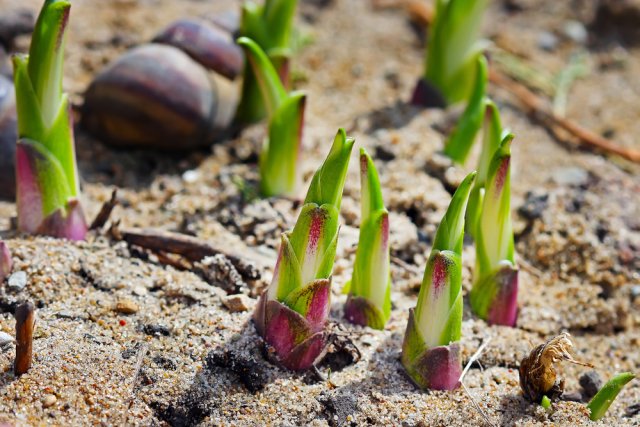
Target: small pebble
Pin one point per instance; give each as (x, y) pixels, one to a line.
(547, 41)
(5, 338)
(49, 400)
(590, 383)
(570, 176)
(190, 176)
(237, 303)
(17, 281)
(157, 330)
(126, 306)
(575, 31)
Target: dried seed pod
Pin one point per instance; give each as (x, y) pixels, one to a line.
(538, 376)
(156, 96)
(8, 138)
(25, 323)
(211, 46)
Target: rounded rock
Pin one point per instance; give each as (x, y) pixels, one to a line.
(211, 46)
(49, 400)
(154, 96)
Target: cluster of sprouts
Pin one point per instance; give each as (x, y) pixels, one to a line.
(292, 314)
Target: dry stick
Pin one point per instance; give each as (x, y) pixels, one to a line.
(105, 211)
(189, 247)
(538, 108)
(25, 322)
(475, 357)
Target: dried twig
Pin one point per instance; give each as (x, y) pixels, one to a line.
(193, 249)
(474, 358)
(405, 265)
(25, 323)
(105, 211)
(538, 108)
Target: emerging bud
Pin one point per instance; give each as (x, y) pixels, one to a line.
(46, 171)
(6, 264)
(600, 403)
(430, 351)
(491, 138)
(494, 296)
(292, 313)
(279, 175)
(269, 25)
(461, 140)
(453, 47)
(369, 301)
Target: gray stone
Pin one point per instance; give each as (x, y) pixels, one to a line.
(17, 281)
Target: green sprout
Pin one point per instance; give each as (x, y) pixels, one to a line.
(292, 313)
(47, 177)
(453, 47)
(492, 136)
(431, 349)
(270, 26)
(279, 175)
(461, 140)
(6, 263)
(369, 301)
(600, 403)
(494, 296)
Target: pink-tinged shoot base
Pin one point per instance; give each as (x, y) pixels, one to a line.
(295, 341)
(68, 223)
(6, 264)
(435, 368)
(427, 95)
(360, 311)
(504, 310)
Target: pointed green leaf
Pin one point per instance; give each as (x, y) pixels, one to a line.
(30, 124)
(280, 156)
(328, 181)
(453, 46)
(46, 55)
(371, 194)
(273, 92)
(278, 18)
(312, 238)
(492, 136)
(450, 233)
(439, 308)
(60, 142)
(463, 136)
(494, 240)
(286, 277)
(600, 403)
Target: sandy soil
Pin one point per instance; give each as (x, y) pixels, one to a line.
(183, 358)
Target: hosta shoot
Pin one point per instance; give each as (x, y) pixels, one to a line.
(270, 26)
(494, 296)
(453, 47)
(492, 136)
(461, 140)
(47, 178)
(280, 157)
(292, 313)
(369, 301)
(431, 350)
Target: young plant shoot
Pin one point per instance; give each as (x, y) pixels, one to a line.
(369, 301)
(452, 50)
(430, 351)
(292, 313)
(492, 136)
(600, 403)
(269, 25)
(461, 140)
(279, 175)
(494, 296)
(47, 177)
